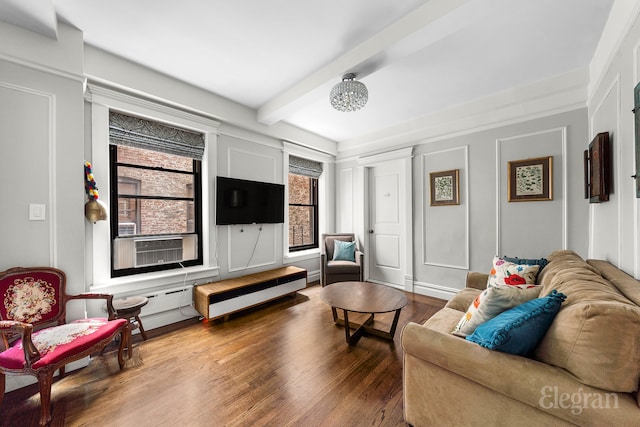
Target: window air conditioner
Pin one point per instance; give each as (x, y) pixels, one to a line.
(158, 251)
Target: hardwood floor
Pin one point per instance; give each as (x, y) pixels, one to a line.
(280, 364)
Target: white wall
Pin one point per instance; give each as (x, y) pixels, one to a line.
(449, 241)
(41, 155)
(615, 70)
(47, 131)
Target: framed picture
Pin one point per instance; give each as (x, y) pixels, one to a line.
(597, 169)
(530, 180)
(445, 189)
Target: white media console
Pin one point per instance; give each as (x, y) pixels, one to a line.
(218, 299)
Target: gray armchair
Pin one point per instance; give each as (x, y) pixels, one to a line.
(339, 271)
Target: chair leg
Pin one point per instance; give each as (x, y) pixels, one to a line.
(45, 379)
(142, 331)
(125, 337)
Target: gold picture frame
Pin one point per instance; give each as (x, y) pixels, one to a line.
(530, 180)
(445, 187)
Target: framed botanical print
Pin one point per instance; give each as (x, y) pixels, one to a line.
(530, 180)
(445, 187)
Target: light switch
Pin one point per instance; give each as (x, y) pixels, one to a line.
(37, 212)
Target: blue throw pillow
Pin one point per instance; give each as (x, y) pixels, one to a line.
(344, 251)
(542, 262)
(520, 329)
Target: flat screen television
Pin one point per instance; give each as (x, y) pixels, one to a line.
(240, 201)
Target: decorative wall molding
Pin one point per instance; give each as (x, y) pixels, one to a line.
(435, 291)
(464, 201)
(612, 90)
(374, 159)
(622, 17)
(559, 94)
(42, 68)
(133, 103)
(499, 179)
(52, 159)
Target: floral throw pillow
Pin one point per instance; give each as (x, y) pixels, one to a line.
(512, 274)
(491, 302)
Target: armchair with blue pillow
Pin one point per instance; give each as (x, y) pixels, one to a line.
(340, 259)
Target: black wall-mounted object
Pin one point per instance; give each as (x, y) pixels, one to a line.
(597, 169)
(240, 201)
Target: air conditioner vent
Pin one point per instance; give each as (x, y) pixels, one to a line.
(158, 251)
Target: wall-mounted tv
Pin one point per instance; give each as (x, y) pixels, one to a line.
(240, 201)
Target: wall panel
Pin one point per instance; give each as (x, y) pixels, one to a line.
(444, 225)
(524, 228)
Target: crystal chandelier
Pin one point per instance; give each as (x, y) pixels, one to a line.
(349, 95)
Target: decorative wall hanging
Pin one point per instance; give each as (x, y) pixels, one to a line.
(94, 210)
(445, 189)
(597, 169)
(530, 180)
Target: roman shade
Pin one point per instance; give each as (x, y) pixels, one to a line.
(146, 134)
(305, 167)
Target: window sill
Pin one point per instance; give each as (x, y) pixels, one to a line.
(293, 257)
(145, 282)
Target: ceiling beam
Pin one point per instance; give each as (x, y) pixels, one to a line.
(34, 15)
(298, 95)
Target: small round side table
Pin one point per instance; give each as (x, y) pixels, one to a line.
(129, 308)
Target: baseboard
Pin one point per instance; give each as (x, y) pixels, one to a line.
(435, 291)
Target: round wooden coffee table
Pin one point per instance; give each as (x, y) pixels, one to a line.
(363, 297)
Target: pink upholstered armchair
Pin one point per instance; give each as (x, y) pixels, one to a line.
(35, 338)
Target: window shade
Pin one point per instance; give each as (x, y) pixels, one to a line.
(141, 133)
(305, 167)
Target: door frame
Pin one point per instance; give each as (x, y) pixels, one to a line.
(406, 211)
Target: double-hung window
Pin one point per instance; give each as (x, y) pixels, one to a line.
(303, 203)
(156, 196)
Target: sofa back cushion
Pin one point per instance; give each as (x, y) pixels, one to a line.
(596, 334)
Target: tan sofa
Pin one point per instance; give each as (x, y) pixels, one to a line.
(585, 371)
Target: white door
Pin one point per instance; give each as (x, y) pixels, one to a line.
(386, 211)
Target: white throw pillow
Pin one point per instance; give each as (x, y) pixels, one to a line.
(491, 302)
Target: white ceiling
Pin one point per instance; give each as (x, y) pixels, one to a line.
(281, 57)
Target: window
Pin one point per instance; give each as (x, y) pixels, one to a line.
(156, 192)
(303, 203)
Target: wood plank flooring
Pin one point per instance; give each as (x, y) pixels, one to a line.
(284, 363)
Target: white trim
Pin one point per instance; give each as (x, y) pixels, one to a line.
(560, 94)
(615, 85)
(565, 203)
(42, 68)
(435, 291)
(102, 100)
(289, 148)
(465, 201)
(53, 172)
(375, 159)
(622, 17)
(405, 155)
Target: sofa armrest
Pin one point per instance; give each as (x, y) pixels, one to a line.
(526, 380)
(477, 280)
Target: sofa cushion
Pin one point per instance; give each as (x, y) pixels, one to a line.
(598, 342)
(342, 267)
(519, 329)
(491, 302)
(596, 335)
(509, 273)
(462, 299)
(443, 321)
